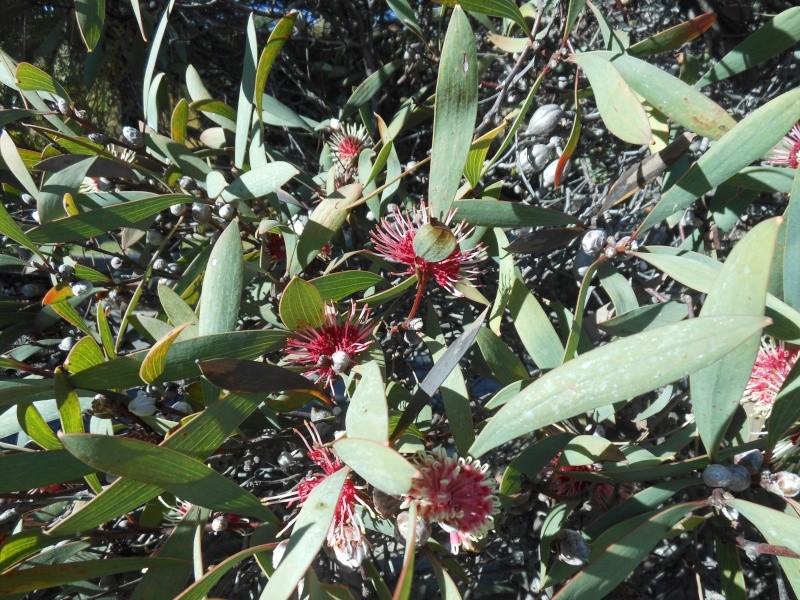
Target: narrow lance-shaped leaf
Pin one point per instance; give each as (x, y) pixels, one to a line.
(90, 15)
(152, 57)
(607, 374)
(381, 466)
(153, 364)
(749, 140)
(774, 37)
(507, 9)
(368, 413)
(222, 285)
(454, 112)
(740, 288)
(182, 475)
(244, 113)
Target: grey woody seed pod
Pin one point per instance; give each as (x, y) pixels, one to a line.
(133, 136)
(572, 548)
(201, 212)
(717, 476)
(421, 535)
(740, 478)
(544, 120)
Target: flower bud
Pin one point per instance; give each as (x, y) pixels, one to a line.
(220, 523)
(28, 199)
(187, 183)
(593, 241)
(785, 484)
(401, 529)
(341, 361)
(63, 106)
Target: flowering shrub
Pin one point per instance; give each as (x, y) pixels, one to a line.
(513, 280)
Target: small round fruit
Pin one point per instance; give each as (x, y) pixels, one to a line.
(740, 478)
(717, 476)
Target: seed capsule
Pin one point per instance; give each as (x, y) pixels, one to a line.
(142, 405)
(717, 476)
(750, 460)
(220, 523)
(187, 183)
(177, 209)
(341, 361)
(133, 136)
(740, 478)
(201, 212)
(572, 548)
(116, 262)
(593, 241)
(544, 120)
(401, 529)
(81, 287)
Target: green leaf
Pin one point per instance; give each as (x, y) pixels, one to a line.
(367, 89)
(9, 227)
(534, 328)
(368, 413)
(91, 15)
(152, 57)
(34, 79)
(496, 8)
(606, 375)
(259, 182)
(749, 140)
(619, 107)
(645, 317)
(168, 582)
(201, 436)
(674, 37)
(301, 305)
(308, 534)
(277, 38)
(434, 242)
(37, 578)
(791, 251)
(14, 163)
(777, 527)
(222, 284)
(530, 462)
(574, 10)
(180, 116)
(246, 376)
(183, 160)
(23, 544)
(672, 97)
(176, 308)
(84, 354)
(338, 286)
(153, 364)
(28, 470)
(771, 39)
(182, 359)
(501, 360)
(382, 467)
(454, 113)
(32, 423)
(786, 409)
(498, 213)
(98, 221)
(730, 571)
(244, 112)
(324, 222)
(740, 288)
(611, 563)
(50, 201)
(181, 475)
(589, 449)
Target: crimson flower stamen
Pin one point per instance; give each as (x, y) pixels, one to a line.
(772, 367)
(394, 241)
(457, 494)
(787, 154)
(562, 484)
(332, 348)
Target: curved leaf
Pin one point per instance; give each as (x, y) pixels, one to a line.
(277, 38)
(606, 375)
(368, 413)
(507, 9)
(222, 284)
(621, 110)
(301, 305)
(153, 364)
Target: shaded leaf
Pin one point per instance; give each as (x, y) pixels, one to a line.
(496, 8)
(279, 35)
(91, 15)
(246, 376)
(542, 241)
(498, 213)
(674, 37)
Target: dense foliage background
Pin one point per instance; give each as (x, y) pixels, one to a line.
(281, 278)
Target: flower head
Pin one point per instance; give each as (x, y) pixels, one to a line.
(788, 153)
(456, 493)
(333, 347)
(561, 483)
(345, 537)
(347, 143)
(394, 240)
(772, 366)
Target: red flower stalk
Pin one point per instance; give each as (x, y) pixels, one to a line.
(345, 537)
(772, 366)
(394, 241)
(333, 347)
(562, 484)
(787, 154)
(457, 494)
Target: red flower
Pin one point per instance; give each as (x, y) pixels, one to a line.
(347, 143)
(562, 484)
(788, 153)
(333, 347)
(394, 240)
(772, 366)
(456, 493)
(345, 537)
